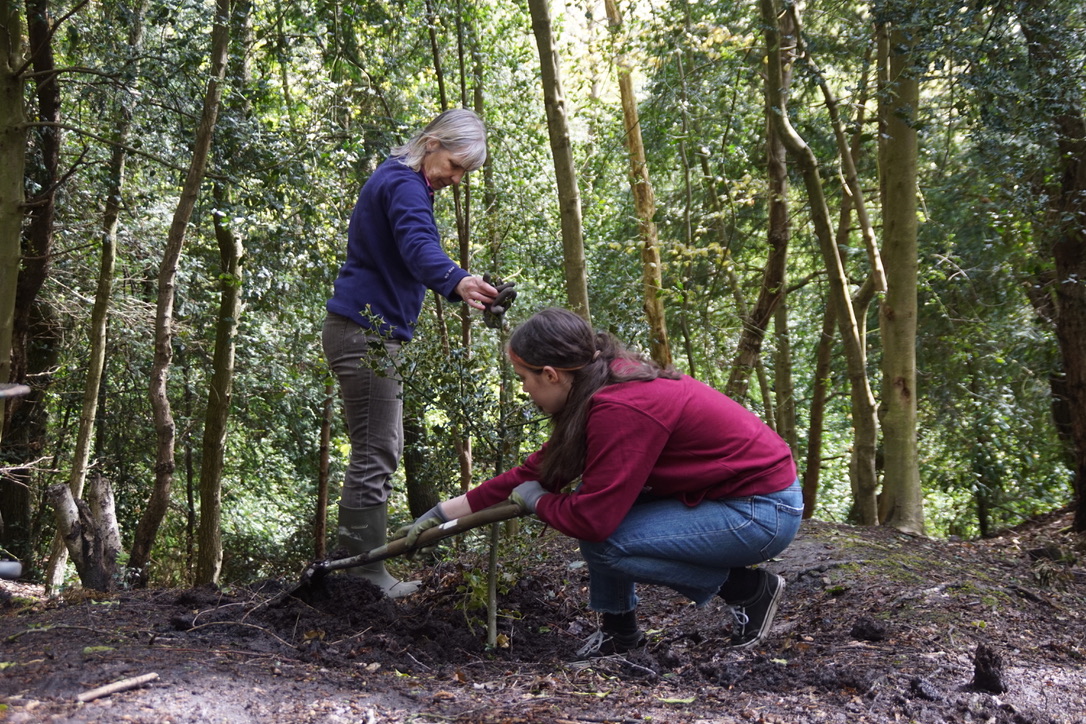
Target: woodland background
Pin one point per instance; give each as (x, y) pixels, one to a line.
(725, 185)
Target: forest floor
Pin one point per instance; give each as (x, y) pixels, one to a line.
(875, 626)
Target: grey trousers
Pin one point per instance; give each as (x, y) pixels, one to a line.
(372, 394)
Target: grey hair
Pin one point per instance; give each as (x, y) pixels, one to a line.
(458, 129)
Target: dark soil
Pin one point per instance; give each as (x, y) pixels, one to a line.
(876, 626)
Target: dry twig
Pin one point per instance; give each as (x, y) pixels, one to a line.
(122, 685)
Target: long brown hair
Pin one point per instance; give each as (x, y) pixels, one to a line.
(559, 338)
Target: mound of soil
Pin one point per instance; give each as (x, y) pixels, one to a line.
(875, 626)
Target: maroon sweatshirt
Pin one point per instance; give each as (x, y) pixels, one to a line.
(663, 438)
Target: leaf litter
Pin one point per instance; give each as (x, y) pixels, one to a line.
(875, 626)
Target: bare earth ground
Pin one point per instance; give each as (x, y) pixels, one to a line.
(875, 626)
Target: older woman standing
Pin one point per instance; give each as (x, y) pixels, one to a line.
(393, 255)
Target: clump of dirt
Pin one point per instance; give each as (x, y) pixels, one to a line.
(875, 626)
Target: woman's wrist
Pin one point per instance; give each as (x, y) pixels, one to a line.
(456, 507)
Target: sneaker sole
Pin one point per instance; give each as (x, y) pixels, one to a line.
(770, 614)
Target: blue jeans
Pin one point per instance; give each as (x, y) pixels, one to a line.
(372, 394)
(691, 550)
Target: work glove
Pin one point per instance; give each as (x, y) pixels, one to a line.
(527, 495)
(430, 519)
(494, 313)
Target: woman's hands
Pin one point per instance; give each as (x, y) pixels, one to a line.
(430, 519)
(441, 513)
(527, 495)
(491, 296)
(476, 292)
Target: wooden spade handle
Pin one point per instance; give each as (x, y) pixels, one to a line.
(494, 514)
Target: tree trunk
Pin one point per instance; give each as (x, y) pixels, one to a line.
(461, 439)
(99, 321)
(320, 515)
(824, 351)
(41, 209)
(89, 530)
(1064, 228)
(644, 199)
(901, 504)
(465, 446)
(13, 160)
(778, 234)
(783, 382)
(817, 413)
(853, 197)
(33, 328)
(684, 300)
(231, 257)
(1069, 251)
(157, 504)
(565, 172)
(421, 492)
(231, 253)
(865, 423)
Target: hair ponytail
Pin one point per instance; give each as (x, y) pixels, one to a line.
(560, 339)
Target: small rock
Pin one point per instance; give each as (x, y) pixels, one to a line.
(924, 689)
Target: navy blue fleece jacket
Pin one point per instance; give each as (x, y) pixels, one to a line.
(393, 254)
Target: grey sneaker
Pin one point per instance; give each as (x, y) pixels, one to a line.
(754, 617)
(602, 644)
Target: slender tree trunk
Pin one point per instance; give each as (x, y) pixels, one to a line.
(13, 160)
(853, 196)
(644, 198)
(865, 422)
(817, 412)
(824, 350)
(769, 409)
(901, 504)
(157, 504)
(684, 305)
(421, 493)
(461, 439)
(565, 172)
(209, 535)
(231, 257)
(783, 381)
(720, 228)
(462, 196)
(320, 517)
(980, 455)
(778, 234)
(99, 321)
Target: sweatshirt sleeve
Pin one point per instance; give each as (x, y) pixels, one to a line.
(498, 488)
(623, 446)
(411, 215)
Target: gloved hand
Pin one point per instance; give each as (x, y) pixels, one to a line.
(494, 313)
(527, 495)
(430, 519)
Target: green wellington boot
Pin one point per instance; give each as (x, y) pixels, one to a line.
(360, 531)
